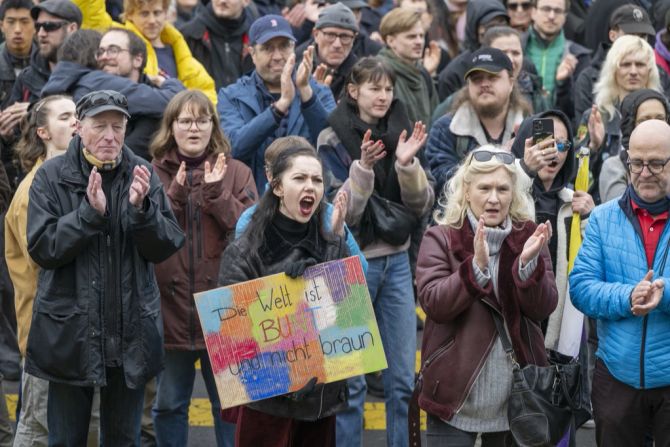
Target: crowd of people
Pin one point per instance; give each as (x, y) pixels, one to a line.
(154, 149)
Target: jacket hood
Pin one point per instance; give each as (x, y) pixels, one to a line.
(629, 107)
(566, 174)
(64, 78)
(480, 11)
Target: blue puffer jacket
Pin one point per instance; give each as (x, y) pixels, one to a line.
(610, 263)
(249, 123)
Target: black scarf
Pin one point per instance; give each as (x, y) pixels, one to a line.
(284, 235)
(655, 208)
(350, 129)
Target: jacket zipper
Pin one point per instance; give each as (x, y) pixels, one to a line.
(191, 273)
(198, 220)
(642, 348)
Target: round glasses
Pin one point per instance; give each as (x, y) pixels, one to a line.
(112, 51)
(202, 123)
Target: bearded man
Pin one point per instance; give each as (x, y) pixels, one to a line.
(485, 111)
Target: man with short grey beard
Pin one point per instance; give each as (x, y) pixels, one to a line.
(485, 111)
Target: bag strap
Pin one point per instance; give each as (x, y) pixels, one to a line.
(504, 337)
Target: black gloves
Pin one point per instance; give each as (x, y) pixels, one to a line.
(298, 268)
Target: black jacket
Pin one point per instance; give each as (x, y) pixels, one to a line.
(451, 78)
(340, 75)
(220, 44)
(29, 82)
(71, 241)
(238, 265)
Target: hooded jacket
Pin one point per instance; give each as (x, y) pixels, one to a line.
(207, 213)
(146, 103)
(478, 12)
(71, 242)
(547, 202)
(189, 70)
(554, 205)
(221, 45)
(30, 80)
(613, 178)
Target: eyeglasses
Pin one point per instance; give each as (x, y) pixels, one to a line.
(546, 10)
(563, 145)
(484, 156)
(523, 6)
(112, 51)
(345, 38)
(49, 26)
(654, 166)
(202, 123)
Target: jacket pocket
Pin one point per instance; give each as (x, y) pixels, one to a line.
(58, 339)
(151, 333)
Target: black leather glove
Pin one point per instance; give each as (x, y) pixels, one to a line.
(298, 268)
(304, 391)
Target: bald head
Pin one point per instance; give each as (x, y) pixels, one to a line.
(648, 154)
(651, 133)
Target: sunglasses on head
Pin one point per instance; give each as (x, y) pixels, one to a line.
(502, 157)
(49, 26)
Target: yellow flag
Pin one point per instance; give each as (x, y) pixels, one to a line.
(581, 184)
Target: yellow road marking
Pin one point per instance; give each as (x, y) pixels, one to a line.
(200, 411)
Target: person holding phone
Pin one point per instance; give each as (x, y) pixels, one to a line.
(544, 145)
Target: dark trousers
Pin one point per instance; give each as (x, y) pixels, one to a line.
(255, 428)
(69, 412)
(624, 414)
(441, 434)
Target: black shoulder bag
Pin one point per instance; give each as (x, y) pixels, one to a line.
(543, 398)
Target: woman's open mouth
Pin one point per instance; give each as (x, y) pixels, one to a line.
(307, 206)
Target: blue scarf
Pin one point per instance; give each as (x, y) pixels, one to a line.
(654, 208)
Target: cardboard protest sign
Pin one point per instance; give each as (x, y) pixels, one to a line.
(271, 335)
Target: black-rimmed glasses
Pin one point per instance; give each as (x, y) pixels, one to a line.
(654, 166)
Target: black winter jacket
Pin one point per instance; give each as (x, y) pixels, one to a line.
(220, 45)
(71, 241)
(238, 265)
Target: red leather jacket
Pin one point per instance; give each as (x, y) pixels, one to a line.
(459, 331)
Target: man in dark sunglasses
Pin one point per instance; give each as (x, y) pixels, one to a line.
(54, 20)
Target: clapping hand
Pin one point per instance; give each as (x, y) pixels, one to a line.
(535, 243)
(408, 147)
(339, 212)
(646, 295)
(216, 174)
(481, 246)
(371, 151)
(596, 129)
(303, 74)
(94, 193)
(139, 188)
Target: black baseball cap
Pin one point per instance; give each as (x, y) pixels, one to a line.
(100, 101)
(64, 9)
(632, 19)
(490, 60)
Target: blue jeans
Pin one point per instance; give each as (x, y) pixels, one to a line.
(69, 412)
(173, 397)
(390, 284)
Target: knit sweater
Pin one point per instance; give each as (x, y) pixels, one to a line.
(485, 408)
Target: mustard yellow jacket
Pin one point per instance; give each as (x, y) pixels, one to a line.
(22, 269)
(189, 70)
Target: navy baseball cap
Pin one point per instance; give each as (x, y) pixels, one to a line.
(268, 27)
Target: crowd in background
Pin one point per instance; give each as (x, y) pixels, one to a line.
(153, 149)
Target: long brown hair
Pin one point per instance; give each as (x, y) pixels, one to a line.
(30, 146)
(164, 141)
